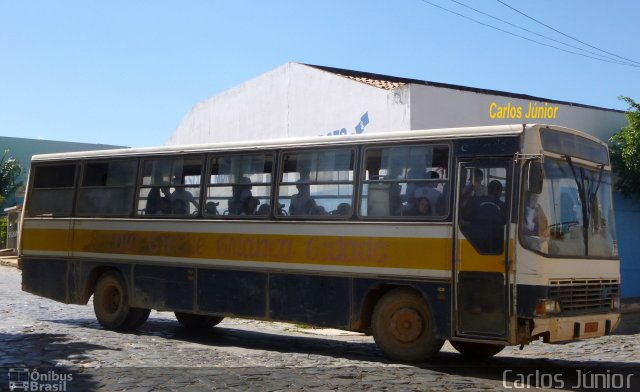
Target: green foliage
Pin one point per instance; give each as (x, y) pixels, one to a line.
(3, 232)
(625, 153)
(10, 170)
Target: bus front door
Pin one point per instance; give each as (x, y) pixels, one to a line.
(481, 248)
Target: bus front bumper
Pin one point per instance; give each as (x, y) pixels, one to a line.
(562, 329)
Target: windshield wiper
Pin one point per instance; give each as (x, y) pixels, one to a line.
(588, 197)
(585, 203)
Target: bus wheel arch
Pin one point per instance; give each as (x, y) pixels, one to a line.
(363, 321)
(92, 280)
(404, 327)
(111, 303)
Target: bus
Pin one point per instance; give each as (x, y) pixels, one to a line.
(483, 236)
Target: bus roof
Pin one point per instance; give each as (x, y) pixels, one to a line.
(443, 133)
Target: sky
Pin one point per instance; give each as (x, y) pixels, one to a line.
(127, 72)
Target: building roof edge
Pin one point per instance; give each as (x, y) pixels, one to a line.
(395, 79)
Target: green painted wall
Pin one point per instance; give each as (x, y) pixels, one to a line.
(23, 149)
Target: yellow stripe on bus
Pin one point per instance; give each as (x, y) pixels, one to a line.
(470, 260)
(382, 252)
(47, 239)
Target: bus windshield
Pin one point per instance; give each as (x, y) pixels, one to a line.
(573, 215)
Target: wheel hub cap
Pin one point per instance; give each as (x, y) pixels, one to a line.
(406, 325)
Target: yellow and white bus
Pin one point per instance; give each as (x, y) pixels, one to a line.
(485, 236)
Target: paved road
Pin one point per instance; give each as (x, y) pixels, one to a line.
(69, 349)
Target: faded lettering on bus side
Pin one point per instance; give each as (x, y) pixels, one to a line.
(253, 248)
(347, 250)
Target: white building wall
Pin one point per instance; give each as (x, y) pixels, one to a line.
(254, 109)
(438, 107)
(323, 103)
(294, 100)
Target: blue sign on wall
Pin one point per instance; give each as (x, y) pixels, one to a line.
(359, 128)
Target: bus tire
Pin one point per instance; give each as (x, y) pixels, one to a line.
(137, 317)
(197, 321)
(403, 327)
(111, 303)
(473, 350)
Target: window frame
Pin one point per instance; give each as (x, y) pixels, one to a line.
(355, 152)
(141, 165)
(451, 171)
(73, 188)
(79, 186)
(207, 183)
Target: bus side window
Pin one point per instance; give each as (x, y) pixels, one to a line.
(52, 191)
(406, 181)
(240, 185)
(317, 184)
(170, 186)
(107, 188)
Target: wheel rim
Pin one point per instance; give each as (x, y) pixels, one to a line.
(406, 325)
(112, 300)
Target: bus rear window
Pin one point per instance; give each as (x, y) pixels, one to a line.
(53, 189)
(54, 176)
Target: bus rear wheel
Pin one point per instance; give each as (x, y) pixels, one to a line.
(403, 327)
(473, 350)
(111, 304)
(197, 321)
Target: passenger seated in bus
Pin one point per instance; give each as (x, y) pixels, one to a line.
(430, 191)
(344, 209)
(239, 194)
(421, 206)
(486, 219)
(212, 208)
(535, 229)
(154, 198)
(263, 209)
(302, 203)
(182, 194)
(179, 207)
(250, 205)
(164, 207)
(318, 210)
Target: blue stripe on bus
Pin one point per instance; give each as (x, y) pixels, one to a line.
(327, 301)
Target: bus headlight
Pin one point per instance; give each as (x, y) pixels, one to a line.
(547, 306)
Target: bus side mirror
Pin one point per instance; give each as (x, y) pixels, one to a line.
(535, 177)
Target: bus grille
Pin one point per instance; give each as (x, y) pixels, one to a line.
(578, 296)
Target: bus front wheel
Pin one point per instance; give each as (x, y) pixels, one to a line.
(111, 304)
(473, 350)
(403, 327)
(197, 321)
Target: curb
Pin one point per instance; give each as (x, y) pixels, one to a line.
(9, 261)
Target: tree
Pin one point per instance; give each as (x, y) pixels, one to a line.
(625, 153)
(10, 170)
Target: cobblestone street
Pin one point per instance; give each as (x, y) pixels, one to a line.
(37, 333)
